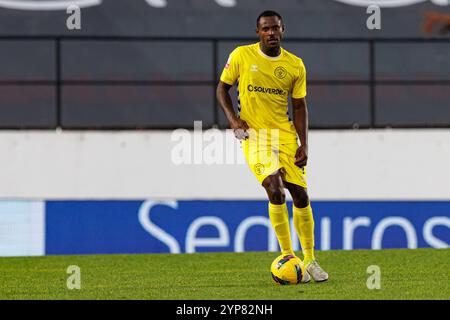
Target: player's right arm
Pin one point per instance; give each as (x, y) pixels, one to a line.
(223, 95)
(229, 76)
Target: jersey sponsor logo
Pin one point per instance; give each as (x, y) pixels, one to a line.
(280, 72)
(390, 3)
(253, 88)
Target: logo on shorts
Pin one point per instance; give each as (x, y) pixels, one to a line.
(259, 168)
(280, 72)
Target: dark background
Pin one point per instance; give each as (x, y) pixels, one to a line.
(133, 66)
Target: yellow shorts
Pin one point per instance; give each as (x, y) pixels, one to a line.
(265, 160)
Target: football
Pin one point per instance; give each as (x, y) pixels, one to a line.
(288, 270)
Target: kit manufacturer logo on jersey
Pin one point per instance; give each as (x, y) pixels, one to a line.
(254, 68)
(280, 72)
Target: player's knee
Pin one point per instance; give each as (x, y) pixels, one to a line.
(301, 199)
(276, 194)
(301, 203)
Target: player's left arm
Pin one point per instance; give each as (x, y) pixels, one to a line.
(300, 117)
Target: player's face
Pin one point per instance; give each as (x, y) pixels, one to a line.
(270, 31)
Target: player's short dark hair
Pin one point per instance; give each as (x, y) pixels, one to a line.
(268, 13)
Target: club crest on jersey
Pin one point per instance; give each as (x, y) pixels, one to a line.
(280, 72)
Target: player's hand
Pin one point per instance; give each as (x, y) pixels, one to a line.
(301, 156)
(240, 128)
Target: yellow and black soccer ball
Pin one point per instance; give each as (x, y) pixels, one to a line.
(287, 269)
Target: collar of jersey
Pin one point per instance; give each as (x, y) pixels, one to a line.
(269, 57)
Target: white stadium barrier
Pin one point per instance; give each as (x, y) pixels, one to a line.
(343, 165)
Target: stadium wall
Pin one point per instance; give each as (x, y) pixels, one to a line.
(132, 192)
(208, 164)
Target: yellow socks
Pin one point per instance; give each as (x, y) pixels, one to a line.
(279, 217)
(304, 225)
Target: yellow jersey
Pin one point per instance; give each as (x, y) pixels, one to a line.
(264, 85)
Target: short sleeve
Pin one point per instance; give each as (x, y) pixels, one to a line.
(230, 72)
(299, 87)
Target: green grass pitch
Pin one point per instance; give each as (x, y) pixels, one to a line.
(405, 274)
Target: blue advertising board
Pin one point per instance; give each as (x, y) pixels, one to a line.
(85, 227)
